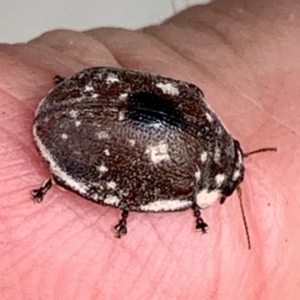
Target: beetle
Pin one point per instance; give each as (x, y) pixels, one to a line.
(136, 141)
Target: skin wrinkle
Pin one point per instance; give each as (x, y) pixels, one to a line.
(96, 34)
(289, 128)
(15, 139)
(7, 120)
(205, 23)
(71, 237)
(161, 271)
(12, 176)
(219, 34)
(8, 180)
(129, 251)
(32, 83)
(252, 101)
(25, 53)
(61, 59)
(147, 257)
(141, 34)
(162, 240)
(202, 67)
(141, 263)
(242, 33)
(179, 262)
(86, 45)
(17, 164)
(107, 264)
(79, 214)
(15, 262)
(148, 32)
(8, 151)
(1, 128)
(267, 262)
(150, 294)
(265, 190)
(117, 60)
(48, 70)
(133, 257)
(137, 282)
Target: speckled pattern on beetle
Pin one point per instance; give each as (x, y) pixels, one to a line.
(136, 141)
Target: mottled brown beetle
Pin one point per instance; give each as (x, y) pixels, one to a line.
(136, 141)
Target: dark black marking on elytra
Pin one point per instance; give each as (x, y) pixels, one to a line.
(150, 109)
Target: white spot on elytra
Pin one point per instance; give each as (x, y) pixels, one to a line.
(112, 200)
(64, 136)
(166, 205)
(89, 88)
(111, 185)
(155, 125)
(131, 142)
(236, 175)
(121, 116)
(209, 117)
(198, 175)
(217, 155)
(112, 78)
(203, 156)
(240, 157)
(220, 130)
(159, 152)
(123, 96)
(220, 179)
(107, 153)
(73, 113)
(168, 88)
(102, 169)
(74, 184)
(205, 198)
(81, 75)
(95, 197)
(102, 135)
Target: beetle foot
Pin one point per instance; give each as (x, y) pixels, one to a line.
(38, 194)
(222, 200)
(121, 227)
(200, 224)
(58, 79)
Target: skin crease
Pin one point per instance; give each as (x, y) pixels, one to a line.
(246, 60)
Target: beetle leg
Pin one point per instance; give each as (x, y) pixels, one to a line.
(200, 224)
(121, 227)
(39, 194)
(58, 79)
(222, 200)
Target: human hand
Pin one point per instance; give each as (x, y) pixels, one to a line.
(245, 59)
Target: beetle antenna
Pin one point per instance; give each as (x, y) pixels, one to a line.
(259, 151)
(239, 192)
